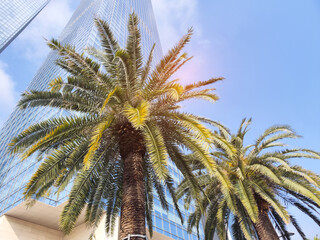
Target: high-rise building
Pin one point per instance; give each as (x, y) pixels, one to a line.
(15, 15)
(81, 32)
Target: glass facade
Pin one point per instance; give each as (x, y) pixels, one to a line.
(80, 32)
(15, 15)
(168, 223)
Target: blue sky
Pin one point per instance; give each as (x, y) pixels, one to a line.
(268, 51)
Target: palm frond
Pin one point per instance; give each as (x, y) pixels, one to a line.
(247, 199)
(147, 67)
(200, 84)
(137, 115)
(108, 41)
(78, 196)
(156, 149)
(297, 227)
(134, 49)
(66, 101)
(167, 65)
(96, 140)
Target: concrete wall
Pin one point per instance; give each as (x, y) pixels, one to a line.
(15, 229)
(82, 232)
(12, 228)
(158, 236)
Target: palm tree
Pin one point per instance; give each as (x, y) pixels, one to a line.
(121, 124)
(262, 183)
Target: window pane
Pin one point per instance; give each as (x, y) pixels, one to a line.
(158, 222)
(166, 226)
(186, 236)
(180, 234)
(173, 228)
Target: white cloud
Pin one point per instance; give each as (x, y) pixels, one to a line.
(8, 94)
(49, 23)
(173, 18)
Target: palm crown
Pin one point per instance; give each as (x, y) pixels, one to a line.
(260, 179)
(121, 123)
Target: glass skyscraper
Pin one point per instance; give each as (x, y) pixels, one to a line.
(15, 15)
(81, 32)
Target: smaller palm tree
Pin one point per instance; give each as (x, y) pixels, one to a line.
(262, 183)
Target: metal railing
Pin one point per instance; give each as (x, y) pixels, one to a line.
(135, 235)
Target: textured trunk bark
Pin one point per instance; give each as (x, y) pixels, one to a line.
(132, 150)
(263, 226)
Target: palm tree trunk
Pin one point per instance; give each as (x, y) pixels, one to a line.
(263, 226)
(132, 150)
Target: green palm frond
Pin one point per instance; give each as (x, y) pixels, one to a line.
(236, 230)
(33, 133)
(248, 176)
(245, 195)
(147, 68)
(201, 94)
(280, 225)
(306, 211)
(137, 116)
(78, 196)
(48, 170)
(158, 186)
(66, 101)
(264, 171)
(167, 65)
(299, 188)
(200, 152)
(108, 42)
(170, 187)
(134, 49)
(200, 84)
(173, 91)
(122, 59)
(156, 149)
(297, 227)
(63, 129)
(273, 130)
(89, 68)
(56, 84)
(73, 164)
(96, 140)
(281, 211)
(179, 159)
(109, 99)
(226, 189)
(109, 96)
(224, 131)
(193, 126)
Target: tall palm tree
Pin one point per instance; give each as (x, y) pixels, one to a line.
(121, 124)
(262, 183)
